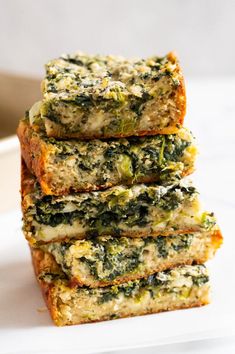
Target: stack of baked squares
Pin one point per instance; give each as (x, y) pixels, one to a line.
(114, 224)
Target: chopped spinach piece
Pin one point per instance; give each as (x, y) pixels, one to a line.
(138, 103)
(107, 296)
(200, 280)
(182, 242)
(83, 101)
(162, 246)
(208, 220)
(73, 60)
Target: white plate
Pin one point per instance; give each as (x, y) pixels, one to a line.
(25, 325)
(26, 328)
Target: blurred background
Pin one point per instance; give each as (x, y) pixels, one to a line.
(32, 32)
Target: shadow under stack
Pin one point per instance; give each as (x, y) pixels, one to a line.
(114, 224)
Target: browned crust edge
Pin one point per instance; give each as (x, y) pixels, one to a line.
(27, 183)
(181, 100)
(34, 153)
(37, 258)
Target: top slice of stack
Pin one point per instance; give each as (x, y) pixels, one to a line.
(89, 97)
(115, 227)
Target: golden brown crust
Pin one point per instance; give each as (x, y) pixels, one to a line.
(42, 262)
(181, 100)
(27, 182)
(216, 238)
(34, 153)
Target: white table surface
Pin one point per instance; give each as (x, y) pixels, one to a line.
(211, 117)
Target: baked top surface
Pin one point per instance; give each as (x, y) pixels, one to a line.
(106, 77)
(91, 97)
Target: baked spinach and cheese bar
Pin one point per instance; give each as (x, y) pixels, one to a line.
(90, 97)
(107, 260)
(181, 287)
(65, 166)
(136, 211)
